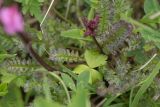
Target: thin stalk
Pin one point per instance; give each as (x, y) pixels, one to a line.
(46, 15)
(130, 97)
(68, 8)
(143, 66)
(60, 16)
(28, 44)
(63, 84)
(98, 45)
(101, 103)
(28, 94)
(78, 13)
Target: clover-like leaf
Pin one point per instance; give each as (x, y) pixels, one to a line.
(94, 74)
(94, 59)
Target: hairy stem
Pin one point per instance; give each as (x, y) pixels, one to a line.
(28, 44)
(98, 45)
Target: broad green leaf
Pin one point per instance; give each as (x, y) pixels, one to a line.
(13, 98)
(94, 59)
(94, 75)
(151, 6)
(83, 79)
(147, 82)
(75, 34)
(80, 99)
(68, 81)
(41, 102)
(3, 89)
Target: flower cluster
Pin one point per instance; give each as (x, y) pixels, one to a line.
(91, 26)
(11, 19)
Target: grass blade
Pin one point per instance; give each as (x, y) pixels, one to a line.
(145, 85)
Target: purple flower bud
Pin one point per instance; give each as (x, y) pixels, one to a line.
(91, 26)
(88, 32)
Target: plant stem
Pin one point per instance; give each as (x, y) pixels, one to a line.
(46, 15)
(101, 103)
(78, 13)
(63, 84)
(68, 8)
(60, 16)
(98, 45)
(28, 44)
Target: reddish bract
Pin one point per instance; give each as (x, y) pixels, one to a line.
(91, 26)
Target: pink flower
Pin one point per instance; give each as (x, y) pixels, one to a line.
(11, 19)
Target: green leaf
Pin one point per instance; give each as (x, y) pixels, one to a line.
(35, 10)
(75, 34)
(151, 35)
(68, 71)
(7, 78)
(139, 54)
(110, 100)
(147, 82)
(94, 59)
(91, 14)
(68, 81)
(118, 105)
(33, 7)
(20, 81)
(41, 102)
(3, 56)
(151, 6)
(3, 89)
(46, 89)
(94, 3)
(80, 99)
(83, 79)
(147, 32)
(13, 98)
(94, 75)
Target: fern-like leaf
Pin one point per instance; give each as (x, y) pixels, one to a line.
(65, 55)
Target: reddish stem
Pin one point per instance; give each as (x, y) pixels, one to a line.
(28, 43)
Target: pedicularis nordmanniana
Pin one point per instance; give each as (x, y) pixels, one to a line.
(82, 53)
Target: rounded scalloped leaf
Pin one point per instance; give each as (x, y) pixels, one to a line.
(94, 59)
(94, 75)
